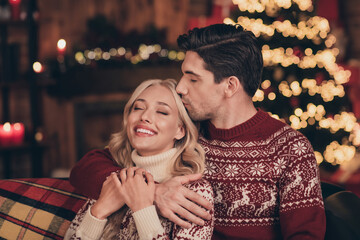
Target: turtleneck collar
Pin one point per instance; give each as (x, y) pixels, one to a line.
(211, 132)
(157, 164)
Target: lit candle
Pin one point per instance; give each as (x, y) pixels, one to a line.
(18, 134)
(5, 134)
(15, 9)
(61, 46)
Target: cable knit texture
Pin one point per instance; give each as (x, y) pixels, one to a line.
(266, 181)
(145, 223)
(158, 165)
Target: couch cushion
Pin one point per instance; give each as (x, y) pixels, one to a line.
(35, 208)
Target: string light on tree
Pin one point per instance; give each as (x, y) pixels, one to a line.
(143, 54)
(260, 6)
(301, 73)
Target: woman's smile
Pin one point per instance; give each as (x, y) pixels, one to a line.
(144, 131)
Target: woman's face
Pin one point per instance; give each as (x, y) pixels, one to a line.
(153, 122)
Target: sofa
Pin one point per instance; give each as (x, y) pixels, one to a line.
(37, 208)
(42, 208)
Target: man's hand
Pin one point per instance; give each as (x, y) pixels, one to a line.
(174, 201)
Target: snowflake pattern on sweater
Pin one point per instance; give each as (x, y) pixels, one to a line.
(256, 183)
(128, 229)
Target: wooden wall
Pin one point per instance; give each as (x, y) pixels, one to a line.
(67, 18)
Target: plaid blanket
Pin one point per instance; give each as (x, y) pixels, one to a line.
(37, 208)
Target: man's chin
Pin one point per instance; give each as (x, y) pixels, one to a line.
(196, 117)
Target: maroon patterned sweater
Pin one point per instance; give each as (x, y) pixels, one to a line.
(265, 180)
(263, 173)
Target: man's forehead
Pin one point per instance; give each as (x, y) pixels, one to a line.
(193, 64)
(191, 56)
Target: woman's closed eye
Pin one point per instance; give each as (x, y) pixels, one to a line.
(138, 106)
(163, 113)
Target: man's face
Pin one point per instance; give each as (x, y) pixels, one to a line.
(201, 96)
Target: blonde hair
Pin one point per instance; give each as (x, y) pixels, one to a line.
(189, 157)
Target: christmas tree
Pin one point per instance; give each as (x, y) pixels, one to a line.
(302, 83)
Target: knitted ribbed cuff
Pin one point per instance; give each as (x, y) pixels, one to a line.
(92, 226)
(147, 222)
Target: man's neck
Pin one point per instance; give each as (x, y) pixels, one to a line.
(233, 115)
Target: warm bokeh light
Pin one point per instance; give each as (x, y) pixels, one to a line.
(143, 54)
(37, 67)
(258, 96)
(61, 45)
(14, 1)
(7, 127)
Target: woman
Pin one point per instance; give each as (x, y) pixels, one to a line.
(158, 141)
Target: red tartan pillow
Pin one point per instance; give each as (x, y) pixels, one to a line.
(35, 208)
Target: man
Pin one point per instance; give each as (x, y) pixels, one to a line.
(263, 173)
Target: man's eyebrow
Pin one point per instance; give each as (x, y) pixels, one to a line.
(192, 73)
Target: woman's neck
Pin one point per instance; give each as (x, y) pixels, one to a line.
(158, 165)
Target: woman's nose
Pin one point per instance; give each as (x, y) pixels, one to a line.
(146, 116)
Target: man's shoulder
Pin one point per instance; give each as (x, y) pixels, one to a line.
(278, 132)
(275, 125)
(289, 135)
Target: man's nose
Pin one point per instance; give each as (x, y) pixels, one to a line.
(181, 88)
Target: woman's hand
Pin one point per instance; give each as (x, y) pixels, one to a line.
(110, 199)
(137, 188)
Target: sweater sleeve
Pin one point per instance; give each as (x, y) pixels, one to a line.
(90, 172)
(149, 227)
(148, 224)
(84, 225)
(204, 189)
(302, 214)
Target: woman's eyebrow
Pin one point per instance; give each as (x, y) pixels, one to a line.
(164, 104)
(140, 100)
(158, 102)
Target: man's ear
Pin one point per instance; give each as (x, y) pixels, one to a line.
(180, 132)
(233, 85)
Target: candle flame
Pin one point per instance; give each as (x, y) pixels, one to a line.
(61, 44)
(17, 126)
(7, 127)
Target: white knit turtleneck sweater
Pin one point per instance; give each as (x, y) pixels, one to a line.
(145, 223)
(158, 165)
(146, 220)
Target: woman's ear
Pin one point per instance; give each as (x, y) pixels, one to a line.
(233, 85)
(180, 132)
